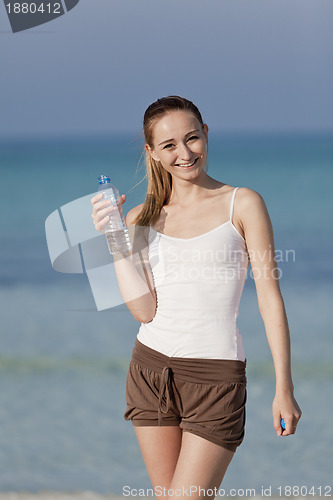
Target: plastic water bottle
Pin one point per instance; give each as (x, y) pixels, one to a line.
(116, 230)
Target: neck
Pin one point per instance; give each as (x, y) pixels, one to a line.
(187, 193)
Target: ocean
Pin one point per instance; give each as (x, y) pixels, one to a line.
(63, 364)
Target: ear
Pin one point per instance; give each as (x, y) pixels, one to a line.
(151, 152)
(205, 130)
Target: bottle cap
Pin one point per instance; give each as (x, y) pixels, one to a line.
(104, 179)
(283, 425)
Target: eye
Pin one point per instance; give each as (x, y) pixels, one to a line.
(193, 137)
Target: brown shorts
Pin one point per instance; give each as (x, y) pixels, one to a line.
(204, 396)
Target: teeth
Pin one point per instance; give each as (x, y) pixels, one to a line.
(186, 164)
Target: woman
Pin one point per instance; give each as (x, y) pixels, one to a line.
(192, 240)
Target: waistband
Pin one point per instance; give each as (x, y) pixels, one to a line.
(191, 369)
(196, 370)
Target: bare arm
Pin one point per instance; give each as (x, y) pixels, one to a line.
(258, 231)
(133, 273)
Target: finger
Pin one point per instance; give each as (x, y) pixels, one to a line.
(294, 424)
(104, 211)
(277, 424)
(98, 206)
(98, 196)
(102, 215)
(290, 426)
(101, 224)
(123, 198)
(286, 433)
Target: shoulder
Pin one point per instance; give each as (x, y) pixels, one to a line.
(250, 211)
(133, 214)
(248, 199)
(252, 214)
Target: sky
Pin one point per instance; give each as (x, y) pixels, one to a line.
(249, 65)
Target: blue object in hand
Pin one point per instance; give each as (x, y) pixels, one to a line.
(283, 425)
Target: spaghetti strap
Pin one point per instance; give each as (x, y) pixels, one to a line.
(232, 203)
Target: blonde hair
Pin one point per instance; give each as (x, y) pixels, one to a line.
(159, 180)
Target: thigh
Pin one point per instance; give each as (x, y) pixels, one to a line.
(160, 448)
(201, 464)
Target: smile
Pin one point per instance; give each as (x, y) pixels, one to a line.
(187, 165)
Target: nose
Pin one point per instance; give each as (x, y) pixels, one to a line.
(184, 152)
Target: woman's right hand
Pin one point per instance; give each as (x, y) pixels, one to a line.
(101, 210)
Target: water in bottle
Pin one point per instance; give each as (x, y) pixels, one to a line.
(116, 230)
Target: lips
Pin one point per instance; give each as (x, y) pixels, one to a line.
(187, 165)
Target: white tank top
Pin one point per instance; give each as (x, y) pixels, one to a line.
(199, 283)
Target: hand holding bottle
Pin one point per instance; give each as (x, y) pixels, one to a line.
(113, 222)
(101, 211)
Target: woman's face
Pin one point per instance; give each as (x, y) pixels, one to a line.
(180, 144)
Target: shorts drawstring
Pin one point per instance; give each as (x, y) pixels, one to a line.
(164, 389)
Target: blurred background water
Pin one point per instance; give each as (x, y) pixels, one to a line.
(63, 364)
